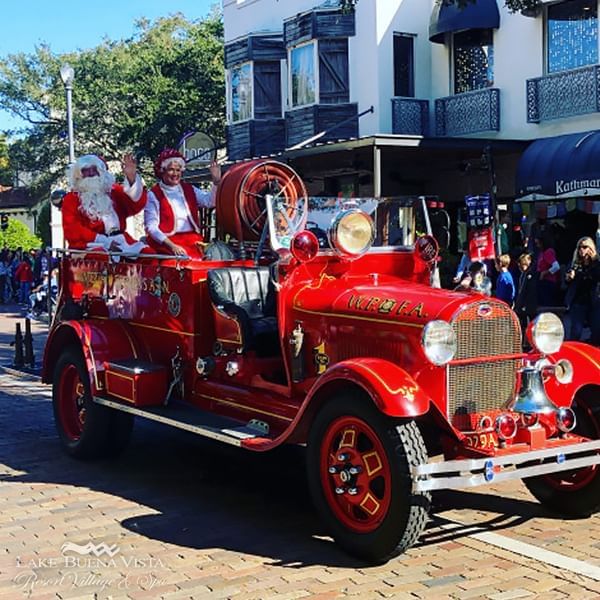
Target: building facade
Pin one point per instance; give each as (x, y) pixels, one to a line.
(411, 96)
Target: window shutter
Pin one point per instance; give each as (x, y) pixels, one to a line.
(334, 87)
(267, 90)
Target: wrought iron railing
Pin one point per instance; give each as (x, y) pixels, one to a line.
(565, 94)
(410, 116)
(470, 112)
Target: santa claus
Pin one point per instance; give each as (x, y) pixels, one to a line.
(171, 215)
(94, 213)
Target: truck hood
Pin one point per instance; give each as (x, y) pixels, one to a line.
(382, 298)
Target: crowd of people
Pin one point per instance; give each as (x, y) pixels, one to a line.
(529, 278)
(26, 277)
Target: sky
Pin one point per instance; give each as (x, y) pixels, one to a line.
(70, 25)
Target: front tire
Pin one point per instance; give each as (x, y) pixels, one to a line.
(574, 493)
(359, 473)
(86, 429)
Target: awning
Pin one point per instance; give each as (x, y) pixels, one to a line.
(565, 166)
(481, 14)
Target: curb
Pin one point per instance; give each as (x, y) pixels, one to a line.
(21, 373)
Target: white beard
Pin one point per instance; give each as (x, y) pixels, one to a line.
(95, 201)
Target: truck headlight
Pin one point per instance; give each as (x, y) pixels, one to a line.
(546, 333)
(439, 342)
(352, 233)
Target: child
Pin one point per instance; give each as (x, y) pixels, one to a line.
(475, 279)
(526, 300)
(505, 286)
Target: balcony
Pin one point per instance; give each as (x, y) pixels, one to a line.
(564, 94)
(410, 116)
(470, 112)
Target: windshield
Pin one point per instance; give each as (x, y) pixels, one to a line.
(398, 221)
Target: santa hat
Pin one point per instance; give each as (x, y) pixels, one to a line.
(83, 162)
(165, 158)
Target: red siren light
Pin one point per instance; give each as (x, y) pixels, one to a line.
(304, 246)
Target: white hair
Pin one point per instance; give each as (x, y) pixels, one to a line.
(94, 192)
(176, 159)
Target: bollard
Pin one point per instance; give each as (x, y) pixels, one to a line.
(19, 362)
(29, 355)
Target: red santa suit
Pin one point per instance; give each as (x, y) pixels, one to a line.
(83, 231)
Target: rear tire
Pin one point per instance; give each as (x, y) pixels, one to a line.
(86, 430)
(377, 516)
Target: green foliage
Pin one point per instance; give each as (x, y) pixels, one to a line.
(139, 94)
(18, 235)
(5, 170)
(42, 226)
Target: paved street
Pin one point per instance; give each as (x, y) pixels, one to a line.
(179, 517)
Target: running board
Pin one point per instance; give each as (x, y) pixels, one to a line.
(194, 420)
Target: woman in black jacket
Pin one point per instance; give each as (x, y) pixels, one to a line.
(582, 277)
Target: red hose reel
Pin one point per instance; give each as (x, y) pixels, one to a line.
(241, 196)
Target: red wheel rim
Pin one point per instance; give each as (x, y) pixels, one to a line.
(71, 406)
(572, 481)
(353, 459)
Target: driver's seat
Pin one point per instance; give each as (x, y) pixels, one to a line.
(244, 306)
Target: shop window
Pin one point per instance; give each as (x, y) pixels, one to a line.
(571, 35)
(473, 54)
(240, 96)
(404, 68)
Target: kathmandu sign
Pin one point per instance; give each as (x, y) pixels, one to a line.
(574, 185)
(198, 148)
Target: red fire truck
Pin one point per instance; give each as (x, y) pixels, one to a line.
(313, 321)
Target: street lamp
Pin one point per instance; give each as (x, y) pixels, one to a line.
(67, 74)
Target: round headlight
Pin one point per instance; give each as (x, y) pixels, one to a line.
(352, 233)
(546, 333)
(439, 342)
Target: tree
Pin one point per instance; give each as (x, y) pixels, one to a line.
(138, 94)
(42, 226)
(5, 170)
(17, 235)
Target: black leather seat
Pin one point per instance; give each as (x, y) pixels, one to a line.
(248, 295)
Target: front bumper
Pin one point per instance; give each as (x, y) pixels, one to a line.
(465, 473)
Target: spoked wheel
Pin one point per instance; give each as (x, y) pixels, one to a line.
(359, 474)
(86, 429)
(242, 208)
(575, 493)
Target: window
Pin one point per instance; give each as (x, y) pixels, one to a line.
(241, 92)
(404, 71)
(572, 35)
(473, 60)
(302, 75)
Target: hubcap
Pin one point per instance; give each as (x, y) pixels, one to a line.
(355, 474)
(71, 403)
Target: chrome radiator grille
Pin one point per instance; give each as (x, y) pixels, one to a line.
(485, 329)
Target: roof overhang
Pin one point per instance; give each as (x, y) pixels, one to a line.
(451, 18)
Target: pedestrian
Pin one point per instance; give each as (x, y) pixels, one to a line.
(548, 271)
(526, 298)
(24, 277)
(4, 275)
(463, 265)
(94, 213)
(505, 286)
(171, 214)
(583, 305)
(475, 279)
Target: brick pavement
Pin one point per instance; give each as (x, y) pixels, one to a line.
(188, 518)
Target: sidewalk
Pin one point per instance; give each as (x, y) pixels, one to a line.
(10, 315)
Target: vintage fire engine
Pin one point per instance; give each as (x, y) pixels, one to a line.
(313, 321)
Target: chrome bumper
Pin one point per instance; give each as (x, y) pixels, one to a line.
(459, 474)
